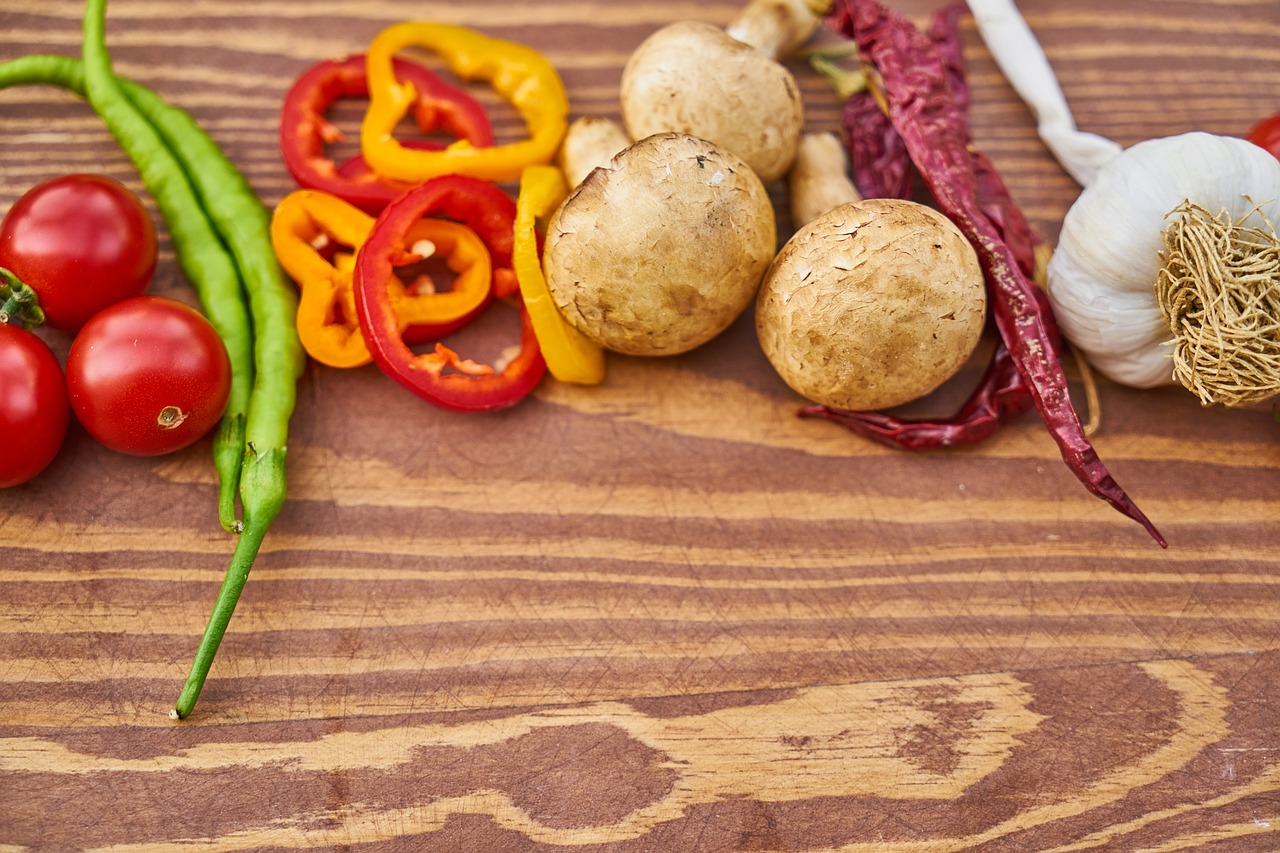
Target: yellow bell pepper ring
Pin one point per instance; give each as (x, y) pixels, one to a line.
(569, 355)
(516, 72)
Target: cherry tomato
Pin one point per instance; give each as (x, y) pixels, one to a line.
(34, 411)
(148, 376)
(1266, 134)
(82, 242)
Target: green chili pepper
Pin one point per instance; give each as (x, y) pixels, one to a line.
(205, 201)
(245, 225)
(278, 357)
(201, 254)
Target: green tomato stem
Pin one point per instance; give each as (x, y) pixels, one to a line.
(19, 304)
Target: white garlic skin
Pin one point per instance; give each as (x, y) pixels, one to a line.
(1103, 273)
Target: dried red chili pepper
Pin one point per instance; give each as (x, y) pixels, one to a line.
(442, 377)
(1002, 394)
(944, 32)
(923, 109)
(878, 158)
(304, 130)
(878, 161)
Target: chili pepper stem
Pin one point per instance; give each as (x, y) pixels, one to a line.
(232, 585)
(262, 495)
(846, 81)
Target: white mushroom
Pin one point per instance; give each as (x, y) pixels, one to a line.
(694, 78)
(871, 305)
(661, 250)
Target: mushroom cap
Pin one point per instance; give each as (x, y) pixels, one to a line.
(660, 251)
(691, 77)
(872, 305)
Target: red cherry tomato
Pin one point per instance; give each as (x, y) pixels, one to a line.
(82, 242)
(34, 411)
(148, 376)
(1266, 134)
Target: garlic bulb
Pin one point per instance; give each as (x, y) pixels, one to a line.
(1112, 248)
(1167, 267)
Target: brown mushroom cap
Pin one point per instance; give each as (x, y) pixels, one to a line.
(871, 305)
(691, 77)
(662, 250)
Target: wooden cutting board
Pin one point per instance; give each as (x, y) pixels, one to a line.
(664, 613)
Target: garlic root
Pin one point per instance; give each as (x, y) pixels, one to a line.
(1219, 289)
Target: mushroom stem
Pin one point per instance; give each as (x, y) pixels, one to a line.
(775, 27)
(818, 180)
(590, 142)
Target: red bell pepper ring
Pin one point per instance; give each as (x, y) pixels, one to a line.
(304, 130)
(442, 377)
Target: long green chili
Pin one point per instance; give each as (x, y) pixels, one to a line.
(201, 254)
(243, 222)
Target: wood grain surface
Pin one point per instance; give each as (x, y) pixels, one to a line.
(661, 614)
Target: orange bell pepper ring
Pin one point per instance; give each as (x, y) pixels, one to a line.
(516, 72)
(570, 356)
(308, 222)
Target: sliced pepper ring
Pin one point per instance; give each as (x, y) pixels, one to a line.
(306, 221)
(467, 386)
(518, 73)
(433, 314)
(304, 130)
(570, 356)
